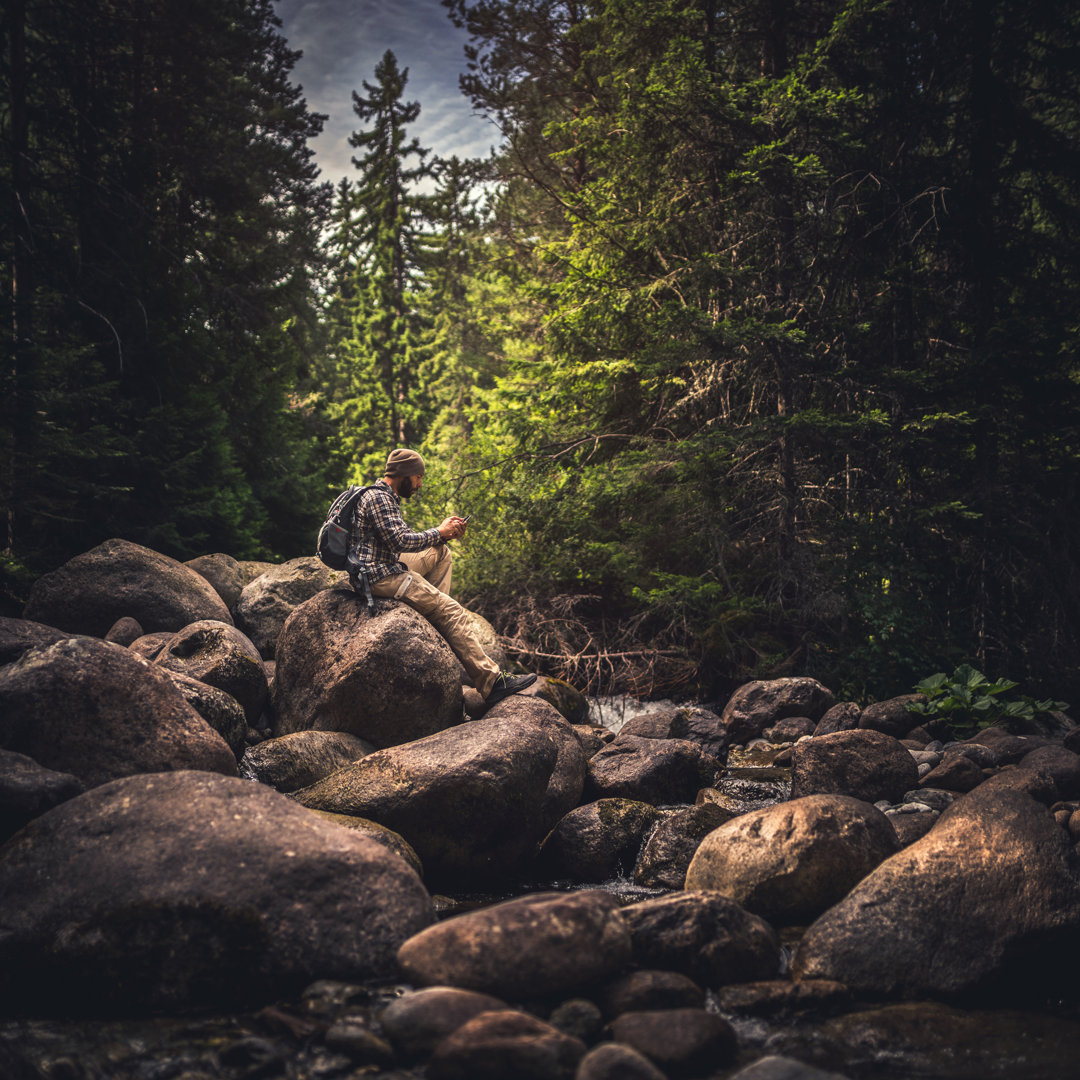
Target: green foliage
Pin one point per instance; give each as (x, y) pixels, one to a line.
(968, 701)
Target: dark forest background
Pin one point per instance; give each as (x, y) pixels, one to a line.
(754, 351)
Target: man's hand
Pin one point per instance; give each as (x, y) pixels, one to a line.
(452, 528)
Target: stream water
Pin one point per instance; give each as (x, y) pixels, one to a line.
(862, 1040)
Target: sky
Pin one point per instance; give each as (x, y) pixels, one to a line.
(343, 40)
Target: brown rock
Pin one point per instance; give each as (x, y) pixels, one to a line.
(650, 990)
(303, 758)
(843, 716)
(419, 1021)
(759, 705)
(533, 946)
(866, 765)
(670, 848)
(224, 574)
(680, 1042)
(892, 717)
(124, 631)
(28, 789)
(117, 578)
(690, 722)
(780, 996)
(616, 1061)
(657, 771)
(18, 635)
(597, 841)
(957, 773)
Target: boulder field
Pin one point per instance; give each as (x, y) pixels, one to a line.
(222, 784)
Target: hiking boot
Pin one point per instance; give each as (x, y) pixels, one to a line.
(507, 684)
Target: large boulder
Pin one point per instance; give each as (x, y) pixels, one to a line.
(789, 863)
(221, 656)
(656, 771)
(98, 711)
(418, 1021)
(533, 946)
(691, 722)
(186, 889)
(220, 710)
(388, 679)
(91, 591)
(988, 900)
(18, 635)
(298, 760)
(667, 853)
(568, 700)
(269, 599)
(892, 717)
(474, 800)
(867, 765)
(597, 841)
(705, 936)
(758, 705)
(224, 574)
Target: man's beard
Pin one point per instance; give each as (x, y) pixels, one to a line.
(405, 488)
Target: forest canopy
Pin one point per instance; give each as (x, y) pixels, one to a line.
(752, 352)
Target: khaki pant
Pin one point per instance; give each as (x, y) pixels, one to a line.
(426, 588)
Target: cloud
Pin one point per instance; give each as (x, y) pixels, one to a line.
(343, 40)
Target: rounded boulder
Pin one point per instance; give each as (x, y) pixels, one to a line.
(657, 771)
(863, 764)
(758, 705)
(303, 758)
(388, 679)
(90, 592)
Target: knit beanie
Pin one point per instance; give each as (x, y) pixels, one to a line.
(403, 462)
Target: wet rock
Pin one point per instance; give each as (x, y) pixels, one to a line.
(759, 705)
(224, 574)
(864, 764)
(774, 997)
(790, 729)
(568, 777)
(97, 711)
(892, 717)
(268, 600)
(28, 789)
(117, 578)
(124, 631)
(957, 773)
(302, 758)
(649, 991)
(597, 841)
(579, 1018)
(419, 1021)
(497, 1045)
(568, 700)
(389, 679)
(691, 722)
(472, 800)
(706, 936)
(657, 771)
(843, 716)
(667, 853)
(220, 710)
(740, 791)
(680, 1042)
(380, 833)
(149, 645)
(18, 635)
(989, 899)
(616, 1061)
(188, 889)
(220, 656)
(533, 946)
(777, 1067)
(789, 863)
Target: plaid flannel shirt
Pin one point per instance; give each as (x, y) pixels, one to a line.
(379, 533)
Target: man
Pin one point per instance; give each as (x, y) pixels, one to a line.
(415, 567)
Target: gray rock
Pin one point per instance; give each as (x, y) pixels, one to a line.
(91, 591)
(268, 600)
(657, 771)
(680, 1042)
(988, 900)
(691, 722)
(864, 764)
(498, 1045)
(533, 946)
(759, 705)
(28, 789)
(389, 679)
(417, 1022)
(473, 800)
(224, 574)
(295, 761)
(98, 711)
(597, 841)
(187, 889)
(789, 863)
(670, 848)
(706, 936)
(616, 1061)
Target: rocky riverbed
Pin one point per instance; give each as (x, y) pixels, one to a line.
(252, 832)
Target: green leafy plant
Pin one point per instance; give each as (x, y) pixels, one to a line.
(968, 701)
